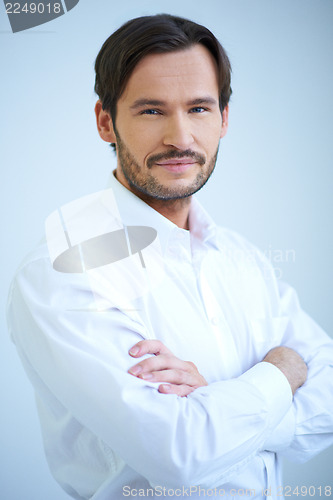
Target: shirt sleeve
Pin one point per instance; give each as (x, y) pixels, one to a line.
(81, 356)
(307, 427)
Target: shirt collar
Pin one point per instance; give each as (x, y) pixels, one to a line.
(202, 226)
(135, 211)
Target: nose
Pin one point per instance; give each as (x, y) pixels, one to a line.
(178, 132)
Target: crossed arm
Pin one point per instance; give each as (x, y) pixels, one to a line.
(73, 356)
(182, 377)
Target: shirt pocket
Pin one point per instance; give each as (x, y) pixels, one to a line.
(267, 333)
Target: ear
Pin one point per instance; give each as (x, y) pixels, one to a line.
(104, 123)
(225, 117)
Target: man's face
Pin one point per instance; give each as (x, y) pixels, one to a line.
(169, 124)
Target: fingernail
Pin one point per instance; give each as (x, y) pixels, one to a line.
(135, 370)
(166, 387)
(146, 376)
(134, 350)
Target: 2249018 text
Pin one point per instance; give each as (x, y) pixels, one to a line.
(32, 8)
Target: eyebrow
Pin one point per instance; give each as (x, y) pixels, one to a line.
(154, 102)
(147, 102)
(202, 100)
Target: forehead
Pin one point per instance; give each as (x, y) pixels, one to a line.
(185, 73)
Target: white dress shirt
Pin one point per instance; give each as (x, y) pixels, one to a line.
(213, 299)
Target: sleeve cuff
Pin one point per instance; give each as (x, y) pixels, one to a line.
(275, 389)
(282, 436)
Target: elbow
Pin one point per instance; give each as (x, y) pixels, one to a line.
(190, 475)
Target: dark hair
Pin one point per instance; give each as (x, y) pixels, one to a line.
(145, 35)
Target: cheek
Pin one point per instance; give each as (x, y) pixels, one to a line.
(140, 139)
(209, 141)
(208, 133)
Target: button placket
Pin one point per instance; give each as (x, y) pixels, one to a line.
(219, 326)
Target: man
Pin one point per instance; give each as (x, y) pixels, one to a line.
(258, 384)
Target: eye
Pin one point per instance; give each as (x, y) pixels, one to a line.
(149, 112)
(198, 109)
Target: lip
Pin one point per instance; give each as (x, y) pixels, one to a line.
(177, 165)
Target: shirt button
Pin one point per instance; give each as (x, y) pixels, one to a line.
(215, 320)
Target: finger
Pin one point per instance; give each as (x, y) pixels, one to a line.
(148, 347)
(158, 363)
(175, 377)
(179, 390)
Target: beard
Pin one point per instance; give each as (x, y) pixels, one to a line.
(146, 186)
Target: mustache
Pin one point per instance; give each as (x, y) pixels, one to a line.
(171, 155)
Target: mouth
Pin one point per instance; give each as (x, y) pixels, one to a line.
(176, 165)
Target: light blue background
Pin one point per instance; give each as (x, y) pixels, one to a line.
(273, 180)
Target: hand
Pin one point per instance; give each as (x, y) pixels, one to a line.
(179, 377)
(290, 363)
